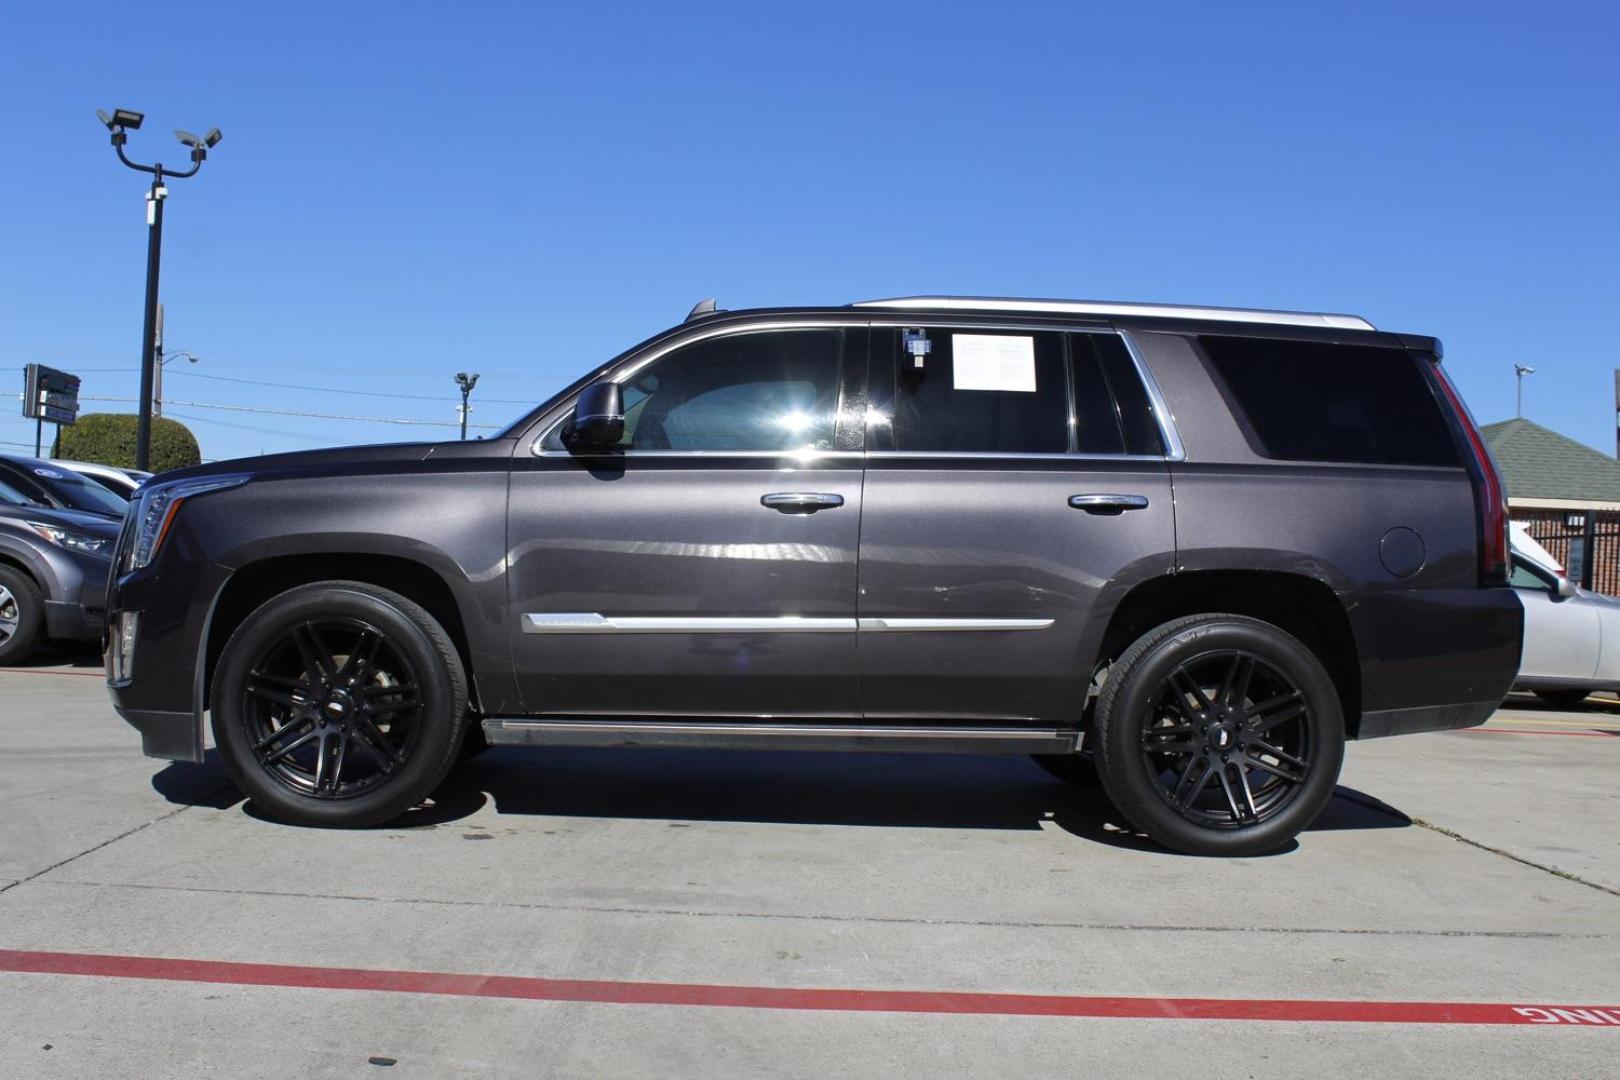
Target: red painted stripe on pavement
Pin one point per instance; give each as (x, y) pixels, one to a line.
(1521, 731)
(771, 997)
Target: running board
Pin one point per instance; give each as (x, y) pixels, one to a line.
(756, 735)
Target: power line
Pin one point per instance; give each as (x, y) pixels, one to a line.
(237, 426)
(334, 390)
(314, 415)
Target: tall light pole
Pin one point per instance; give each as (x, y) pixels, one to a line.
(466, 382)
(120, 123)
(1519, 372)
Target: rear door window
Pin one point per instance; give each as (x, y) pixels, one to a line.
(1317, 401)
(970, 391)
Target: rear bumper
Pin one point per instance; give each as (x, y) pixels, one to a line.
(1434, 659)
(1376, 725)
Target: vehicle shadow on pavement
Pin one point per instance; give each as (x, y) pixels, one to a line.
(60, 654)
(1593, 704)
(890, 790)
(190, 783)
(887, 790)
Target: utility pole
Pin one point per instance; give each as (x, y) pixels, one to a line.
(120, 123)
(1519, 372)
(466, 382)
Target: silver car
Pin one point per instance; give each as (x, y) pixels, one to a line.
(1571, 635)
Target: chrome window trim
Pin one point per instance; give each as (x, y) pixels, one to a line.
(1338, 321)
(799, 456)
(591, 622)
(1174, 450)
(1010, 455)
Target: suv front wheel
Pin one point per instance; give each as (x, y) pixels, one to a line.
(339, 704)
(1219, 735)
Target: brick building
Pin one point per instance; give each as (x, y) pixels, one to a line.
(1566, 494)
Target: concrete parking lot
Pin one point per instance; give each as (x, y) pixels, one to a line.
(1456, 911)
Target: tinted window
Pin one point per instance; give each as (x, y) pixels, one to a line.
(1306, 401)
(995, 392)
(1136, 419)
(11, 496)
(766, 391)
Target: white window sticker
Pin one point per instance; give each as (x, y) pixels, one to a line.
(993, 362)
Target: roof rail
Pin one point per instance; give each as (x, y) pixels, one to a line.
(1103, 307)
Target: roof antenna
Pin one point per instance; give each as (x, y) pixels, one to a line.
(701, 308)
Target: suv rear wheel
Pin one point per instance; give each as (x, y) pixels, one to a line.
(1219, 735)
(339, 704)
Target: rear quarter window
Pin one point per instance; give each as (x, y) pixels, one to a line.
(1316, 401)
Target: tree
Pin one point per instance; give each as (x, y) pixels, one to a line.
(109, 439)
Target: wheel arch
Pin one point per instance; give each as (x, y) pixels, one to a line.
(1303, 606)
(254, 583)
(28, 562)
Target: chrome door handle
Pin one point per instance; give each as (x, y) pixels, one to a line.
(1108, 504)
(800, 502)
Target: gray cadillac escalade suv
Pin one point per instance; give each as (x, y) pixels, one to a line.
(1183, 552)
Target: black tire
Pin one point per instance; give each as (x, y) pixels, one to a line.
(22, 616)
(292, 709)
(1077, 770)
(1188, 703)
(1565, 697)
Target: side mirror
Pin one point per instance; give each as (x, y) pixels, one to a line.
(598, 419)
(1565, 589)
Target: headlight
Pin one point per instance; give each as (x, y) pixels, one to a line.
(82, 543)
(156, 506)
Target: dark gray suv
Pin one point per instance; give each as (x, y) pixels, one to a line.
(1183, 552)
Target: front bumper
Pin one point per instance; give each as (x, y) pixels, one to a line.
(71, 621)
(162, 695)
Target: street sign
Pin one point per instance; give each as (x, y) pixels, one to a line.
(49, 394)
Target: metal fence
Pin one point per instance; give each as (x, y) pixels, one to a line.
(1587, 541)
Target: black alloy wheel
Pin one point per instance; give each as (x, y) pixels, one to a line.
(1220, 734)
(1230, 740)
(331, 708)
(339, 704)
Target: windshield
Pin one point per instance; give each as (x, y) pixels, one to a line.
(12, 497)
(78, 493)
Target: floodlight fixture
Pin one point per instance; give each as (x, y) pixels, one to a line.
(120, 123)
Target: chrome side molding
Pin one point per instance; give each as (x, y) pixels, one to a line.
(888, 624)
(590, 622)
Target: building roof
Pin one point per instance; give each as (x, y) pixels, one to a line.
(1541, 464)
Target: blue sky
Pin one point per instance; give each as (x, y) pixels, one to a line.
(410, 190)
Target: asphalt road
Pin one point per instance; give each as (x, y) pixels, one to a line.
(682, 914)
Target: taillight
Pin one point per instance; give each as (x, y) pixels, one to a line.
(1490, 497)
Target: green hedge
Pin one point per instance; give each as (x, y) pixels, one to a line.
(109, 439)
